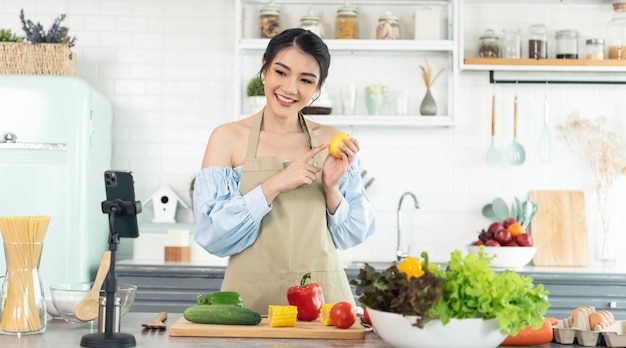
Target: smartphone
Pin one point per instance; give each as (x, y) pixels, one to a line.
(121, 185)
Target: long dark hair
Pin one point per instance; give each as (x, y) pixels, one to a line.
(306, 41)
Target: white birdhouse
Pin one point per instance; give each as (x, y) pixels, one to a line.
(164, 202)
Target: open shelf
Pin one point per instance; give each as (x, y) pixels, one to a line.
(550, 64)
(366, 45)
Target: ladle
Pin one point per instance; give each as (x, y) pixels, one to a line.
(87, 309)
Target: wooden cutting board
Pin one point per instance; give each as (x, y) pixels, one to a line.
(303, 329)
(559, 229)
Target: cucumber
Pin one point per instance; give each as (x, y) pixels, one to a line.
(222, 314)
(221, 297)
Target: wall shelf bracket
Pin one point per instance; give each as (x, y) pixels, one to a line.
(492, 80)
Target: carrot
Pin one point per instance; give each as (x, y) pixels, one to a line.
(530, 337)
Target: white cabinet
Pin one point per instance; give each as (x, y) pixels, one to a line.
(364, 61)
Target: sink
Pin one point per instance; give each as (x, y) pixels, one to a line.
(379, 265)
(382, 265)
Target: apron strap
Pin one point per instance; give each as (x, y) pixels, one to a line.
(253, 139)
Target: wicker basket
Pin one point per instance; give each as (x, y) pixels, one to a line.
(18, 58)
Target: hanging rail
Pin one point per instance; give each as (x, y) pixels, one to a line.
(492, 80)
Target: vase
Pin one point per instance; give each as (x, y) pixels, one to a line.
(605, 234)
(428, 106)
(22, 301)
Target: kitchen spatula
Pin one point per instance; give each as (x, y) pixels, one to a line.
(515, 153)
(157, 323)
(493, 156)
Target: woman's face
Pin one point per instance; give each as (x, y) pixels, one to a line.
(291, 81)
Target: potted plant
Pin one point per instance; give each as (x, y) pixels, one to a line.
(255, 92)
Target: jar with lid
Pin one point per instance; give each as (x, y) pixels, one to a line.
(537, 41)
(511, 44)
(346, 25)
(616, 32)
(489, 45)
(269, 20)
(312, 23)
(595, 49)
(567, 44)
(388, 27)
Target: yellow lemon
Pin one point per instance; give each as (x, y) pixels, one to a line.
(335, 142)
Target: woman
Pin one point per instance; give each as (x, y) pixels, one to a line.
(271, 197)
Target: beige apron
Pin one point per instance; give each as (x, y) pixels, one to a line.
(293, 239)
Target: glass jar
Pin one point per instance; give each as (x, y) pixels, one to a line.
(567, 44)
(312, 23)
(388, 27)
(511, 44)
(595, 49)
(616, 32)
(538, 41)
(269, 20)
(346, 25)
(489, 45)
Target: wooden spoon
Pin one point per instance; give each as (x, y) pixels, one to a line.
(87, 309)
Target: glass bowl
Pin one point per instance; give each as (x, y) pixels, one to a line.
(65, 297)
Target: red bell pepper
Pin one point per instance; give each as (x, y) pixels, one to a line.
(307, 297)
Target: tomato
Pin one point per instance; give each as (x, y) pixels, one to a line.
(366, 317)
(343, 315)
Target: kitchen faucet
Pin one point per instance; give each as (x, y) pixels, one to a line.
(400, 254)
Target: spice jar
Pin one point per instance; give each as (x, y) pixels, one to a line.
(538, 41)
(489, 46)
(567, 44)
(388, 27)
(312, 23)
(511, 44)
(269, 20)
(346, 25)
(616, 32)
(595, 49)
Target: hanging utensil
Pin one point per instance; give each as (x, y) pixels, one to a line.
(544, 151)
(515, 153)
(493, 156)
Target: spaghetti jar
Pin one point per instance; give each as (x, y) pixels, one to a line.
(511, 44)
(346, 25)
(312, 23)
(616, 32)
(269, 20)
(567, 44)
(489, 46)
(388, 27)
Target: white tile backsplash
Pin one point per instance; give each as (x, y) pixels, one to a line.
(167, 66)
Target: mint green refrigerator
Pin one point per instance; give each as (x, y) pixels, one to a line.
(55, 144)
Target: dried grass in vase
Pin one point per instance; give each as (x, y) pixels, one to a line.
(600, 148)
(427, 75)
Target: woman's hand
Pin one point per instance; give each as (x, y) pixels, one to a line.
(298, 173)
(335, 168)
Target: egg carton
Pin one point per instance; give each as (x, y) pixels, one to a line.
(577, 330)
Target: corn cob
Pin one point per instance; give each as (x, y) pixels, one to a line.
(325, 314)
(282, 315)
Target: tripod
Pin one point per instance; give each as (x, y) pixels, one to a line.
(108, 338)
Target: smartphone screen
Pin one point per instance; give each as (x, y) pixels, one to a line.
(121, 185)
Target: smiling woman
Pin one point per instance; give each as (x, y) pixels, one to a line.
(270, 195)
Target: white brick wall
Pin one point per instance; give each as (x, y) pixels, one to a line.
(167, 64)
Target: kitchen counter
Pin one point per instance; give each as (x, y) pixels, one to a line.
(59, 333)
